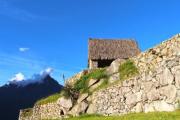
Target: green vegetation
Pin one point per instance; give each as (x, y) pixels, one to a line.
(127, 70)
(49, 99)
(133, 116)
(27, 112)
(82, 84)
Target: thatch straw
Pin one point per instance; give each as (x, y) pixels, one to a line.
(109, 49)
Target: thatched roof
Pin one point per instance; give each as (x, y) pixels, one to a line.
(112, 49)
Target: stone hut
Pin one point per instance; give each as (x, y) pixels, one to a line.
(101, 52)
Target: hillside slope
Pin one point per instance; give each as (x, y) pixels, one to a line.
(146, 83)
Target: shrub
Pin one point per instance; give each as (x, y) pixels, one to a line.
(127, 69)
(69, 92)
(66, 92)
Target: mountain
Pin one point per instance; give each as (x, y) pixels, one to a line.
(19, 93)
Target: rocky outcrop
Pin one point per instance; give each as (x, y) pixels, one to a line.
(155, 88)
(114, 67)
(71, 81)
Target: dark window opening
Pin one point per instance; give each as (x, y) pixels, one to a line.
(104, 63)
(61, 112)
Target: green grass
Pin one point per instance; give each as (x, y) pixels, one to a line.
(27, 112)
(82, 84)
(50, 99)
(134, 116)
(127, 70)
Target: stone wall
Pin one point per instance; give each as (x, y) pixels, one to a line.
(155, 56)
(159, 92)
(50, 110)
(53, 110)
(40, 112)
(156, 88)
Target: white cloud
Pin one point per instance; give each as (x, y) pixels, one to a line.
(24, 49)
(18, 77)
(47, 71)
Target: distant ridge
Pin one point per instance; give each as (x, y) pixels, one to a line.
(14, 96)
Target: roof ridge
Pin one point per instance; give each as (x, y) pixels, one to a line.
(113, 39)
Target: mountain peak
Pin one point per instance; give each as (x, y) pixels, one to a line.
(20, 80)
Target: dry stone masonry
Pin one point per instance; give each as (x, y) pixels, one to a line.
(155, 88)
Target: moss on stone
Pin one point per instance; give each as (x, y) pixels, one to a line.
(27, 112)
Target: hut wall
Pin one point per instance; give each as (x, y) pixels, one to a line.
(93, 64)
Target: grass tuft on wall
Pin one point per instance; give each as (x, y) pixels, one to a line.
(127, 70)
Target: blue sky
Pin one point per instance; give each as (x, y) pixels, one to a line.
(37, 34)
